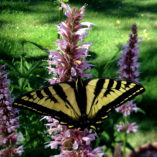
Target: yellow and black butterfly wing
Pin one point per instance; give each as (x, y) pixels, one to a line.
(80, 104)
(58, 101)
(105, 94)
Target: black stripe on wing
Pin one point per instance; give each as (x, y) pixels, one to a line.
(43, 110)
(97, 91)
(127, 84)
(118, 85)
(128, 95)
(81, 96)
(99, 87)
(50, 96)
(39, 95)
(108, 89)
(60, 92)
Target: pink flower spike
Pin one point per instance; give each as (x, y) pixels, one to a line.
(88, 24)
(82, 10)
(75, 145)
(53, 144)
(121, 127)
(19, 150)
(97, 152)
(131, 127)
(9, 139)
(82, 33)
(67, 133)
(68, 63)
(89, 138)
(68, 12)
(129, 71)
(70, 60)
(73, 72)
(128, 62)
(127, 109)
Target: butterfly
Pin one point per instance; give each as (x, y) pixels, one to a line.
(82, 103)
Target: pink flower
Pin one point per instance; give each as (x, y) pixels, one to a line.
(72, 142)
(129, 70)
(127, 109)
(89, 138)
(97, 152)
(130, 128)
(9, 120)
(19, 150)
(67, 63)
(75, 145)
(129, 58)
(53, 144)
(70, 59)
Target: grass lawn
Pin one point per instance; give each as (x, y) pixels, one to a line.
(36, 22)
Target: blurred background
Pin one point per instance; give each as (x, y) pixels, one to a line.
(27, 27)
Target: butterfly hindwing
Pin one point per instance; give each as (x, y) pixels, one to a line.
(58, 100)
(107, 94)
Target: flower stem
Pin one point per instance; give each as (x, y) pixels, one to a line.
(125, 137)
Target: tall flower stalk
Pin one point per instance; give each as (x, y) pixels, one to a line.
(129, 70)
(8, 121)
(67, 63)
(69, 60)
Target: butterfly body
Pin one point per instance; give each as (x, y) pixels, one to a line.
(82, 103)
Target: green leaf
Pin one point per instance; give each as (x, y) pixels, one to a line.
(33, 68)
(142, 111)
(20, 82)
(129, 146)
(65, 1)
(28, 66)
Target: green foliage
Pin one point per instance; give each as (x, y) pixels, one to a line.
(100, 4)
(31, 127)
(65, 1)
(26, 76)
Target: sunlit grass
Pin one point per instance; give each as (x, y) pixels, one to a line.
(37, 23)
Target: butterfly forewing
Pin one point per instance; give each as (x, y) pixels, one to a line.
(57, 100)
(108, 94)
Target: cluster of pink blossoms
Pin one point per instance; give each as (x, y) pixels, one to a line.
(72, 142)
(9, 121)
(129, 58)
(129, 70)
(70, 59)
(65, 65)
